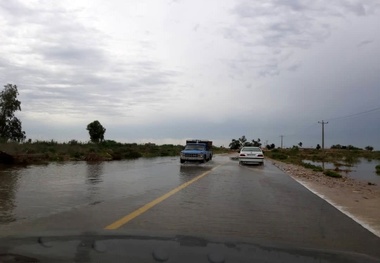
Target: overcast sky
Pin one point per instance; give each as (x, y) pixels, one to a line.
(163, 71)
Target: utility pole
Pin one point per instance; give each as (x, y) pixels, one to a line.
(282, 137)
(323, 133)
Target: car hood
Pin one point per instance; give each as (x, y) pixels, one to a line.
(112, 247)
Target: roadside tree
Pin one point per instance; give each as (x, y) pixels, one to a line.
(10, 125)
(235, 144)
(337, 146)
(271, 146)
(96, 131)
(243, 140)
(369, 148)
(256, 143)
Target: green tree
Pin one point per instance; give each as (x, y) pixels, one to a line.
(96, 131)
(300, 144)
(256, 143)
(235, 144)
(369, 148)
(318, 147)
(337, 146)
(10, 125)
(271, 146)
(242, 140)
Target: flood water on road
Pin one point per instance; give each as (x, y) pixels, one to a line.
(40, 190)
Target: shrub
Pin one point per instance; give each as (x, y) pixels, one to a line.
(73, 142)
(315, 168)
(369, 148)
(294, 151)
(132, 154)
(332, 174)
(279, 156)
(77, 155)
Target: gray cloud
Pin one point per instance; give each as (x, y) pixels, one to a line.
(260, 69)
(70, 54)
(70, 70)
(288, 25)
(364, 43)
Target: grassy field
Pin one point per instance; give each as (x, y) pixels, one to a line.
(336, 156)
(46, 151)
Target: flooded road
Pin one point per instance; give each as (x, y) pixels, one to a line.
(37, 191)
(159, 197)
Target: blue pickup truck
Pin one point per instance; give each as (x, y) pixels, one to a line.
(197, 151)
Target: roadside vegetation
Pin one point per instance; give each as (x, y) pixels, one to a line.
(15, 148)
(347, 156)
(46, 151)
(378, 169)
(339, 155)
(332, 174)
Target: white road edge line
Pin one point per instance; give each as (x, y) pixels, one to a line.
(341, 209)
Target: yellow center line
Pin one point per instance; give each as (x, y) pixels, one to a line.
(146, 207)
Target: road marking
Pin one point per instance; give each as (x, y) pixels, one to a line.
(367, 225)
(122, 221)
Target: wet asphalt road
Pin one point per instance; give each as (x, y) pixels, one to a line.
(251, 203)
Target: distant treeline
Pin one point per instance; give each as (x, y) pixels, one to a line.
(45, 151)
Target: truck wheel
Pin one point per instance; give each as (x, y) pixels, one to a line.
(204, 159)
(210, 157)
(181, 160)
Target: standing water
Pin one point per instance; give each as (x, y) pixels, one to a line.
(362, 169)
(40, 190)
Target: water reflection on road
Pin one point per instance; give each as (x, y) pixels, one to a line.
(37, 191)
(94, 173)
(188, 171)
(8, 188)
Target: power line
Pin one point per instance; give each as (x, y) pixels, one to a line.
(355, 114)
(298, 131)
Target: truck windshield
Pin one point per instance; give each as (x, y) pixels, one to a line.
(195, 147)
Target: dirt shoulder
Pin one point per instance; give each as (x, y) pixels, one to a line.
(358, 200)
